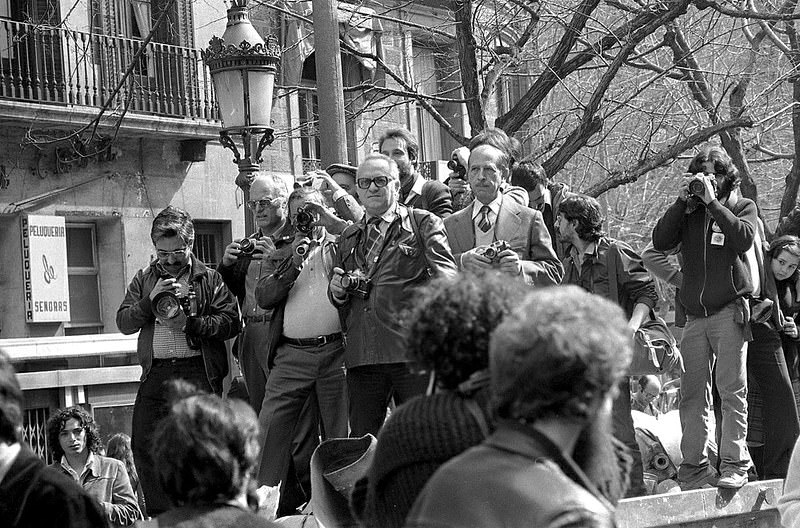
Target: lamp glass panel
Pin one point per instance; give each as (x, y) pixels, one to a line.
(228, 85)
(262, 84)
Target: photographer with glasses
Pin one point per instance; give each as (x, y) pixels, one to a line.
(714, 227)
(305, 346)
(184, 313)
(380, 260)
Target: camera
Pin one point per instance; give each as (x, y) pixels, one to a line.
(493, 250)
(248, 247)
(167, 305)
(302, 248)
(355, 283)
(459, 169)
(304, 220)
(698, 188)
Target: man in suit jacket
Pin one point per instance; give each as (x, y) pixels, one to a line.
(492, 218)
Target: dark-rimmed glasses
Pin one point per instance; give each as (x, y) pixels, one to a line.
(163, 253)
(380, 181)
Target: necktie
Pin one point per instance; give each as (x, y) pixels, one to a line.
(484, 223)
(374, 240)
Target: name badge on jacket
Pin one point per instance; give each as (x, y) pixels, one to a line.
(717, 238)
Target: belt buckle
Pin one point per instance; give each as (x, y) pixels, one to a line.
(321, 340)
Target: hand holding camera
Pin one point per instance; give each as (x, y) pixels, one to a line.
(790, 328)
(508, 262)
(457, 180)
(703, 186)
(305, 219)
(346, 283)
(300, 248)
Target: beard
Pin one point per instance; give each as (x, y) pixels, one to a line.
(603, 458)
(406, 172)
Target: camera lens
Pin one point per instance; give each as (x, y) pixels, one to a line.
(247, 246)
(166, 305)
(697, 187)
(347, 282)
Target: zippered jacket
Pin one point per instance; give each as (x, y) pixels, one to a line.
(715, 271)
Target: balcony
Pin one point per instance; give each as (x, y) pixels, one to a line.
(68, 73)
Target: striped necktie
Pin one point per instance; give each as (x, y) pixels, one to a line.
(484, 223)
(373, 240)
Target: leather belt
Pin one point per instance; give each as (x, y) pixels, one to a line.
(256, 318)
(157, 362)
(312, 341)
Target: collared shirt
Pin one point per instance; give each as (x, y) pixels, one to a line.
(169, 342)
(88, 467)
(481, 238)
(416, 189)
(10, 454)
(255, 271)
(309, 312)
(591, 250)
(386, 219)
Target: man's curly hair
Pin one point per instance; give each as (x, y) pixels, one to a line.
(449, 326)
(56, 423)
(558, 355)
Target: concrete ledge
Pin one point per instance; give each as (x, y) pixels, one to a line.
(37, 348)
(754, 505)
(76, 377)
(67, 117)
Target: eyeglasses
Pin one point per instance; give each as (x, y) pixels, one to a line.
(380, 181)
(265, 202)
(162, 253)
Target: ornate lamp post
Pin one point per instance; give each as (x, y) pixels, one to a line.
(243, 68)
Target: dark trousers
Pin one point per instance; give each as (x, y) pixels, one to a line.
(622, 421)
(766, 365)
(300, 373)
(370, 387)
(150, 407)
(253, 361)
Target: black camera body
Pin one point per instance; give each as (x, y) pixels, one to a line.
(493, 250)
(458, 168)
(304, 220)
(698, 188)
(355, 283)
(248, 247)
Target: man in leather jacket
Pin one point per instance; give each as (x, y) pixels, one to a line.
(383, 258)
(172, 343)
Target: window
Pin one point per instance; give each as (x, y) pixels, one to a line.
(209, 244)
(84, 280)
(34, 431)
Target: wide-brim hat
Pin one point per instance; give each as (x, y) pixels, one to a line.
(336, 465)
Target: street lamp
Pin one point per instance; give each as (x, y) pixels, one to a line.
(243, 70)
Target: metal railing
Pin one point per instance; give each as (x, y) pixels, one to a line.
(45, 64)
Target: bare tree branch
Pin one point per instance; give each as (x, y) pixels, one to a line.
(626, 176)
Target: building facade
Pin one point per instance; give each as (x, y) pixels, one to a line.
(107, 121)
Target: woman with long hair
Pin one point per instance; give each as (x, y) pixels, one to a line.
(119, 447)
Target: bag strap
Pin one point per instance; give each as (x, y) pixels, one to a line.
(611, 267)
(412, 216)
(476, 412)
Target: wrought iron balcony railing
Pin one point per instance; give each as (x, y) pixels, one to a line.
(44, 64)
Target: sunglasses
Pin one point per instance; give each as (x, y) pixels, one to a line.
(380, 181)
(162, 254)
(265, 202)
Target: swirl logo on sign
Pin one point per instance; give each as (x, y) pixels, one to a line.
(49, 271)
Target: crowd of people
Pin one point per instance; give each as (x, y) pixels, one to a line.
(472, 338)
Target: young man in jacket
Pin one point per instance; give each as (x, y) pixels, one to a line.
(173, 344)
(714, 227)
(380, 260)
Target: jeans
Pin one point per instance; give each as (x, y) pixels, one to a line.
(150, 407)
(706, 339)
(370, 387)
